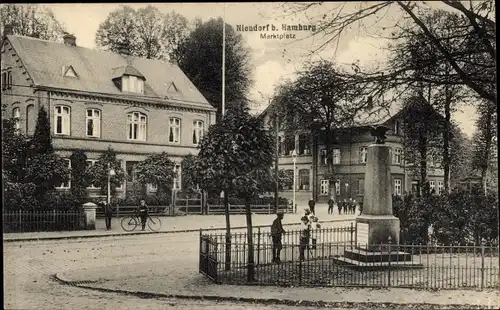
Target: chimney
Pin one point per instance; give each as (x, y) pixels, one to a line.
(69, 39)
(8, 30)
(174, 61)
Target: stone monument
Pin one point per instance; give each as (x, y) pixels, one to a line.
(377, 229)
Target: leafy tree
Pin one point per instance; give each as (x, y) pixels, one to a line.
(200, 58)
(98, 172)
(188, 174)
(157, 170)
(484, 141)
(31, 20)
(45, 169)
(14, 153)
(421, 138)
(285, 178)
(236, 156)
(323, 99)
(79, 177)
(42, 140)
(145, 32)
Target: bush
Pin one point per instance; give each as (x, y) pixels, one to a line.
(60, 201)
(19, 196)
(459, 218)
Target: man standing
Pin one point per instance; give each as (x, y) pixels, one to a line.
(277, 232)
(108, 214)
(142, 211)
(331, 202)
(305, 230)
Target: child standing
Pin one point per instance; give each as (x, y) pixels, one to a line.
(305, 233)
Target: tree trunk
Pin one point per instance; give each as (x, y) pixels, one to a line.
(228, 231)
(329, 162)
(276, 166)
(446, 139)
(250, 259)
(423, 163)
(488, 136)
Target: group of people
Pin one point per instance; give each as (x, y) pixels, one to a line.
(141, 212)
(309, 223)
(347, 206)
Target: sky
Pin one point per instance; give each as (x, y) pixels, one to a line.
(272, 60)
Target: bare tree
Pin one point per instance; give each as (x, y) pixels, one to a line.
(476, 21)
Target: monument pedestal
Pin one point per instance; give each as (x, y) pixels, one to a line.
(377, 230)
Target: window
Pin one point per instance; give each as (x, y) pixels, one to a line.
(197, 131)
(132, 84)
(90, 163)
(93, 123)
(395, 127)
(30, 119)
(281, 145)
(177, 179)
(440, 187)
(337, 187)
(16, 117)
(137, 126)
(361, 186)
(415, 187)
(397, 187)
(152, 188)
(398, 154)
(362, 154)
(62, 120)
(303, 147)
(7, 79)
(67, 184)
(174, 132)
(119, 188)
(432, 185)
(324, 158)
(304, 179)
(324, 187)
(336, 156)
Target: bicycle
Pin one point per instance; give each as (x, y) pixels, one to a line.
(131, 222)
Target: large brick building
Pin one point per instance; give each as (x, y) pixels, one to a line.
(97, 99)
(349, 159)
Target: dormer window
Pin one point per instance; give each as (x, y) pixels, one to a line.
(69, 71)
(132, 84)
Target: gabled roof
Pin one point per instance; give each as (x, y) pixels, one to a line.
(96, 70)
(369, 117)
(126, 70)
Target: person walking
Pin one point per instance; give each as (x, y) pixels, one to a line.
(331, 202)
(312, 205)
(344, 206)
(277, 232)
(339, 206)
(142, 212)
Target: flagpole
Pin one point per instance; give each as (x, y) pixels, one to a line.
(224, 60)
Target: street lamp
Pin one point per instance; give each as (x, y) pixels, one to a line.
(111, 172)
(294, 158)
(347, 189)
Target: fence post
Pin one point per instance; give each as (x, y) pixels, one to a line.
(258, 246)
(352, 232)
(300, 271)
(482, 264)
(389, 263)
(20, 219)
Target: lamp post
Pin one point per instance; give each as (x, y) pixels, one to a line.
(111, 172)
(294, 158)
(347, 190)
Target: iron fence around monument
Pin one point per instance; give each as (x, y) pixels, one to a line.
(325, 263)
